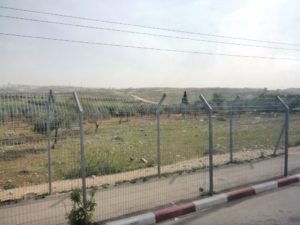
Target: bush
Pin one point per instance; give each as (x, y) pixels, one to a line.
(78, 214)
(10, 185)
(101, 167)
(94, 166)
(222, 119)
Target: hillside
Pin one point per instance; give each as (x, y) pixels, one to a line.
(154, 94)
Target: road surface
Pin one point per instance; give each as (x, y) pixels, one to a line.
(279, 207)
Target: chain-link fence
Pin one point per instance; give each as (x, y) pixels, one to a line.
(294, 138)
(248, 140)
(135, 155)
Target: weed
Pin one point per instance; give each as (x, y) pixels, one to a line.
(133, 181)
(80, 215)
(41, 196)
(10, 185)
(24, 172)
(104, 186)
(295, 143)
(10, 201)
(222, 119)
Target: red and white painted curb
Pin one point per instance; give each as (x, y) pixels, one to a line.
(182, 209)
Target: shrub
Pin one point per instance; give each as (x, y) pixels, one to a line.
(10, 185)
(222, 119)
(78, 214)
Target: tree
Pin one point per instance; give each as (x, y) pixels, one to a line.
(196, 107)
(184, 99)
(3, 115)
(184, 104)
(266, 103)
(93, 116)
(58, 121)
(96, 115)
(293, 101)
(122, 113)
(62, 114)
(218, 99)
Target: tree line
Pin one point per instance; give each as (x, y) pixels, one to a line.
(33, 109)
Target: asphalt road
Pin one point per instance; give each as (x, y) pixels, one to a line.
(280, 207)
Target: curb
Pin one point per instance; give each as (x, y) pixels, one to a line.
(182, 209)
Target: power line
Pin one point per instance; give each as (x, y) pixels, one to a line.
(148, 27)
(144, 33)
(145, 48)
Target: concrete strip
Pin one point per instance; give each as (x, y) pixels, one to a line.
(259, 188)
(174, 211)
(276, 207)
(144, 219)
(287, 180)
(178, 210)
(240, 193)
(298, 175)
(210, 202)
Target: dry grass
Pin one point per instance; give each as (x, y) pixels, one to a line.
(25, 164)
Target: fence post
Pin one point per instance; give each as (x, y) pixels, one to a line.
(278, 140)
(210, 144)
(231, 129)
(49, 143)
(286, 135)
(82, 153)
(158, 133)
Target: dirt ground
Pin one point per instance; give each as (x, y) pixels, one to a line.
(94, 181)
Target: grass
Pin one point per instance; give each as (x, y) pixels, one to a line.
(181, 139)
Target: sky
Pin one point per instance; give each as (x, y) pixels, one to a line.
(43, 62)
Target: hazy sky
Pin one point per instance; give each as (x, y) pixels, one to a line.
(41, 62)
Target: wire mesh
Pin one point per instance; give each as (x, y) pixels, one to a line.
(121, 154)
(24, 157)
(294, 141)
(121, 151)
(184, 146)
(257, 141)
(23, 140)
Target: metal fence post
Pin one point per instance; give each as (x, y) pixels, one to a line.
(278, 140)
(82, 153)
(158, 132)
(49, 143)
(210, 144)
(231, 129)
(286, 135)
